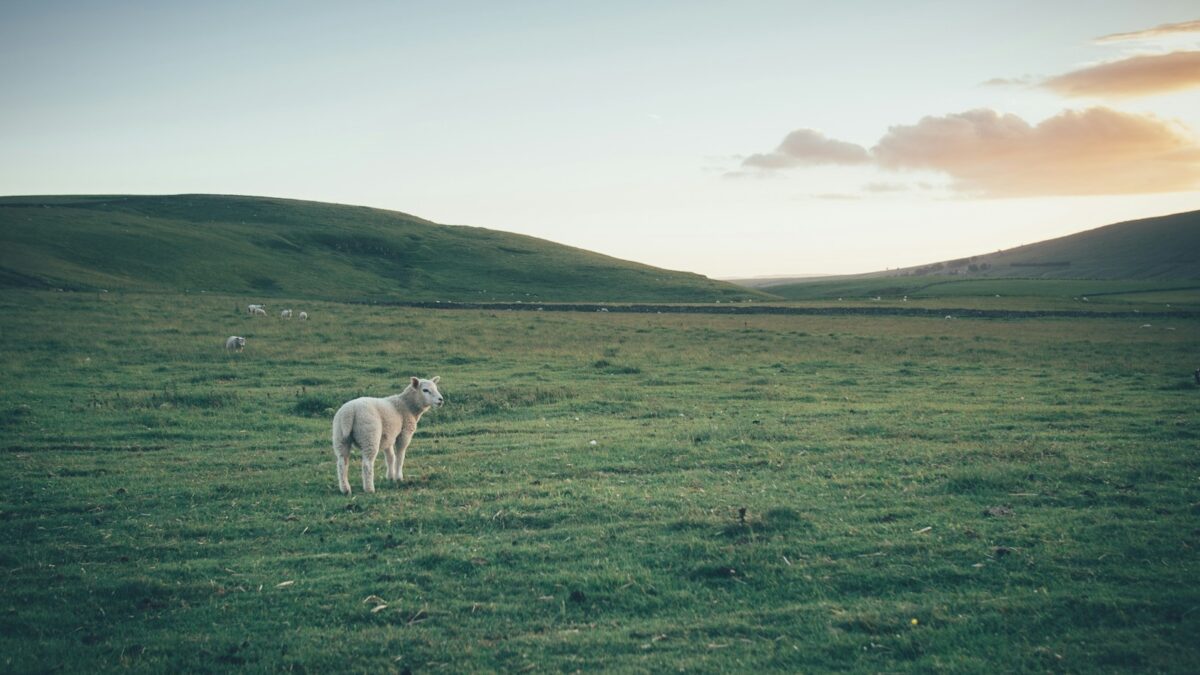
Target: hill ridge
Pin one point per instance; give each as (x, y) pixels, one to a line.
(270, 246)
(1159, 247)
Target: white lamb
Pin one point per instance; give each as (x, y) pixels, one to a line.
(251, 309)
(258, 311)
(285, 314)
(374, 423)
(235, 343)
(304, 316)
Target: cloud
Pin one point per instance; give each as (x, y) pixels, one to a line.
(1091, 152)
(1156, 32)
(885, 187)
(1007, 81)
(1134, 76)
(989, 154)
(805, 147)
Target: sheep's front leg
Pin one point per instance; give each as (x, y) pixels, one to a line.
(389, 457)
(401, 448)
(368, 468)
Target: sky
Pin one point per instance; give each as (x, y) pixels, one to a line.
(730, 139)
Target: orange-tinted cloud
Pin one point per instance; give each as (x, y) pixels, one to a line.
(805, 147)
(1134, 76)
(1090, 152)
(1156, 32)
(988, 154)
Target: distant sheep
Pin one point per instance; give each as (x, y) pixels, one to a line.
(304, 316)
(374, 423)
(234, 343)
(258, 311)
(254, 309)
(285, 314)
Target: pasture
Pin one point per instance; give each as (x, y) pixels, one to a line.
(635, 492)
(1104, 295)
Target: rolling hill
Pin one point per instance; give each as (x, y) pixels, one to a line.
(1158, 249)
(1166, 247)
(266, 247)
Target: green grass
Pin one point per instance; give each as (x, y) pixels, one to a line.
(1154, 295)
(766, 493)
(269, 248)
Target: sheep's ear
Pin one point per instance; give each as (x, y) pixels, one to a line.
(436, 379)
(416, 383)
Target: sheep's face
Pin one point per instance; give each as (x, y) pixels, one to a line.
(241, 342)
(428, 391)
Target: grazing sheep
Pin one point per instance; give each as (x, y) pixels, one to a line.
(253, 309)
(258, 311)
(285, 314)
(304, 316)
(235, 343)
(374, 423)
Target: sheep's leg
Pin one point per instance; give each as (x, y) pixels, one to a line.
(342, 452)
(389, 456)
(401, 448)
(368, 467)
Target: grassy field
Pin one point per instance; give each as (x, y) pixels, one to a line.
(635, 492)
(1145, 295)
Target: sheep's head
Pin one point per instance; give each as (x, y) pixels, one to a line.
(428, 392)
(241, 342)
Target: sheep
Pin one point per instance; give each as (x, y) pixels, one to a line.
(285, 314)
(304, 316)
(235, 343)
(258, 311)
(374, 423)
(253, 309)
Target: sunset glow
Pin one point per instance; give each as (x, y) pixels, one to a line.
(730, 140)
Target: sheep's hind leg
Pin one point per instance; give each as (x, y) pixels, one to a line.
(342, 452)
(368, 467)
(389, 456)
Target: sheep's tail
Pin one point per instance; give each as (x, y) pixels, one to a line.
(343, 426)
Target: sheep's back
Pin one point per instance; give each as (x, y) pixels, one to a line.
(378, 413)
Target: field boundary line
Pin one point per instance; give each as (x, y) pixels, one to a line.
(746, 309)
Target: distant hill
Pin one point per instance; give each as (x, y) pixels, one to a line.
(276, 247)
(1166, 247)
(1162, 248)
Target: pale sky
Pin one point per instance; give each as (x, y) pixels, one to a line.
(651, 131)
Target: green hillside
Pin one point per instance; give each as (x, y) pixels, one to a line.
(1136, 256)
(275, 247)
(1166, 247)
